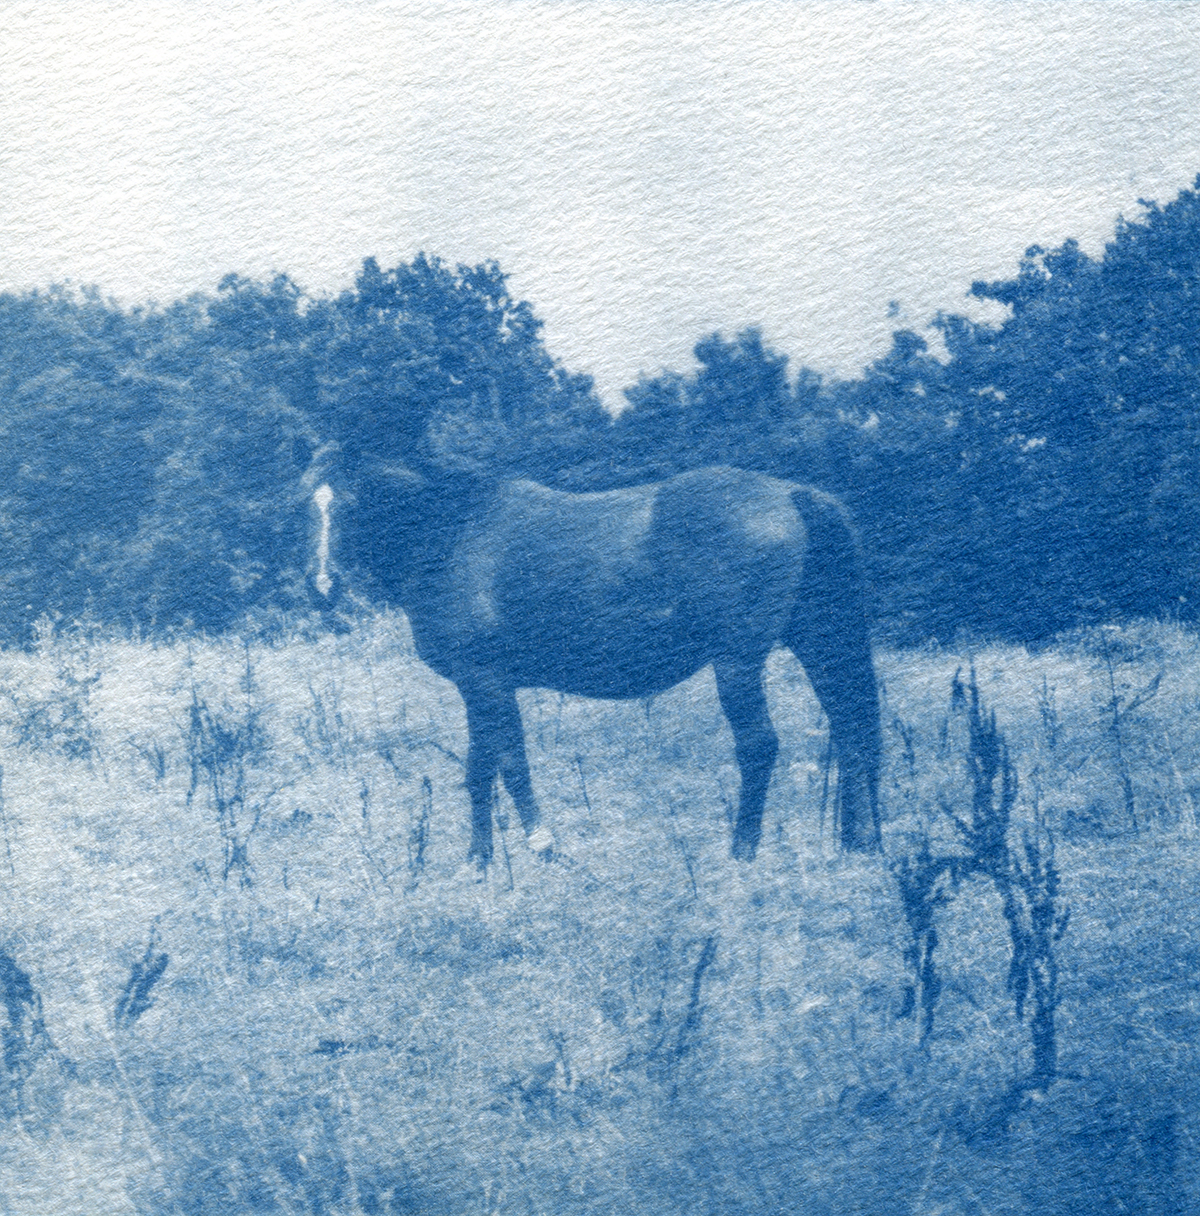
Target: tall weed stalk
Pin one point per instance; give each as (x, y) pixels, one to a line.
(222, 749)
(1119, 708)
(926, 882)
(56, 715)
(1026, 880)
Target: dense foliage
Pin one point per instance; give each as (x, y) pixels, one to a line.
(153, 459)
(1044, 473)
(1041, 473)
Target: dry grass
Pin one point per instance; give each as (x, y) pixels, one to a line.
(346, 1022)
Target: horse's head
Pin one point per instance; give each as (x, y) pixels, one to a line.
(357, 504)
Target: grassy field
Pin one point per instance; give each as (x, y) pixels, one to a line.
(243, 967)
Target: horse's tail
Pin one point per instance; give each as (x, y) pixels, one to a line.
(829, 633)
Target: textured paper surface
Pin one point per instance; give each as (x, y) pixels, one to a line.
(245, 964)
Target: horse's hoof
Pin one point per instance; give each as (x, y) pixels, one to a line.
(541, 841)
(744, 850)
(470, 874)
(480, 861)
(862, 842)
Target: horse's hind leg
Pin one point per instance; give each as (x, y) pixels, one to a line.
(835, 653)
(828, 633)
(739, 685)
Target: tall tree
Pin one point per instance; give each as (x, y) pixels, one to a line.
(737, 408)
(76, 465)
(444, 368)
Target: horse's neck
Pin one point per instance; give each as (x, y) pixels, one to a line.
(449, 502)
(426, 521)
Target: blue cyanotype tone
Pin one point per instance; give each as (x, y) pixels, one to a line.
(851, 724)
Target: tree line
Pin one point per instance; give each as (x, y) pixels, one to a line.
(1036, 475)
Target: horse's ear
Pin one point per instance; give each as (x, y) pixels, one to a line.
(323, 460)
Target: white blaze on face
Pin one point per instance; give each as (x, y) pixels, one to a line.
(323, 496)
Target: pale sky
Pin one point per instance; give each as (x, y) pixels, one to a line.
(645, 172)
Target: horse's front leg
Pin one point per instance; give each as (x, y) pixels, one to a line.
(739, 685)
(514, 768)
(483, 763)
(496, 744)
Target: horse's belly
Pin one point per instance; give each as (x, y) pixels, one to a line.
(592, 663)
(638, 637)
(629, 650)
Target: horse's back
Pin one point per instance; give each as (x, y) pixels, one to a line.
(710, 534)
(709, 507)
(734, 513)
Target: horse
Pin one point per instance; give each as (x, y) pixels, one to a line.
(622, 594)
